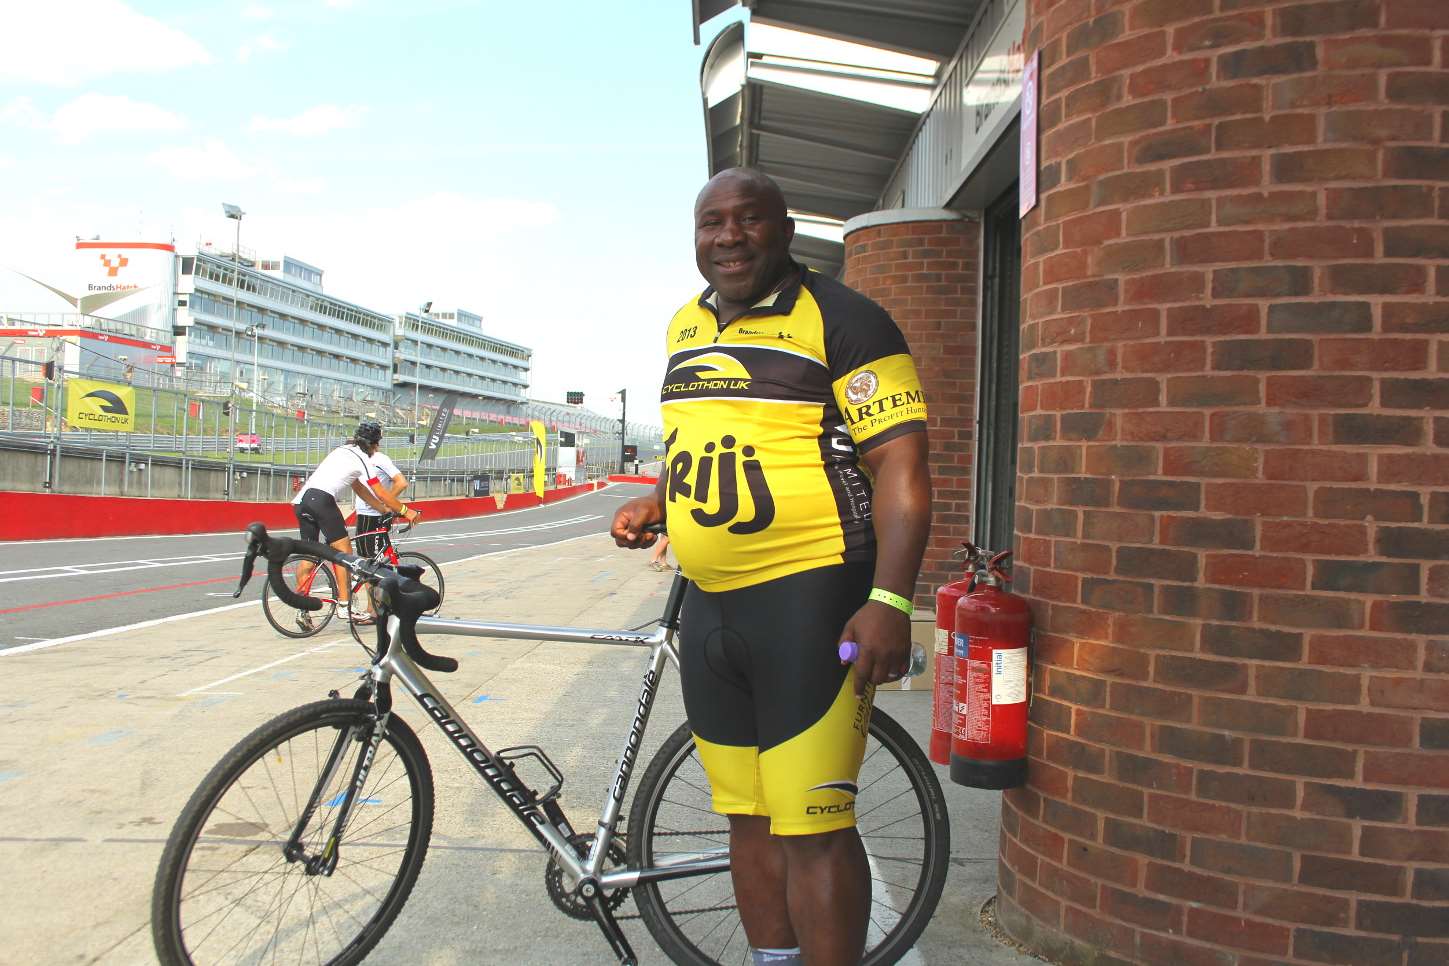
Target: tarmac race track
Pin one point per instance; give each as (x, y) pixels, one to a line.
(125, 683)
(51, 590)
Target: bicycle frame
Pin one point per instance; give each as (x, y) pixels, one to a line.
(554, 832)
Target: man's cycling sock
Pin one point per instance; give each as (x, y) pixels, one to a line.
(777, 957)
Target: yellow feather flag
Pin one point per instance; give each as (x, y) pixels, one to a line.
(540, 447)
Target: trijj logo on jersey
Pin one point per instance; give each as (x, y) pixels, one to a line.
(719, 471)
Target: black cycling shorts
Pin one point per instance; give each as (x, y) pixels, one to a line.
(774, 713)
(364, 545)
(318, 511)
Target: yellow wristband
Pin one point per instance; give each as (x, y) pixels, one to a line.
(895, 600)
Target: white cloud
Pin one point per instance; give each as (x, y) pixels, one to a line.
(211, 160)
(68, 42)
(91, 113)
(256, 11)
(22, 112)
(313, 122)
(260, 44)
(301, 186)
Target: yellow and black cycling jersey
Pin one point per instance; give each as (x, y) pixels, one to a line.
(764, 422)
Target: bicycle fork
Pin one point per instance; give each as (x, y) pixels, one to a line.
(325, 862)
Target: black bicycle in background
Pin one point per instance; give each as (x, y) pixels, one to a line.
(302, 844)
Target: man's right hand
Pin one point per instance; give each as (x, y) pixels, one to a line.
(629, 523)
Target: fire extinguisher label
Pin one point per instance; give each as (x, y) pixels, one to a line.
(1008, 676)
(943, 641)
(974, 723)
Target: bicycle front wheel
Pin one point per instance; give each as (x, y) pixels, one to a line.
(432, 577)
(308, 576)
(227, 891)
(900, 814)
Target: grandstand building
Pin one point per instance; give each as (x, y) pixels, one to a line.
(447, 351)
(310, 349)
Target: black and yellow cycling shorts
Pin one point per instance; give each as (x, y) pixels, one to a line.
(775, 716)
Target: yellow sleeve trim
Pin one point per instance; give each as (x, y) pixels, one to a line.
(880, 395)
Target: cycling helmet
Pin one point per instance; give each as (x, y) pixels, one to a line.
(369, 430)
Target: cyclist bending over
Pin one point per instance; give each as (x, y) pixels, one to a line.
(346, 467)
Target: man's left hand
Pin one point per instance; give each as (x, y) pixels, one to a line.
(884, 636)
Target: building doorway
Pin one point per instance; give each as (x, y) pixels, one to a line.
(997, 409)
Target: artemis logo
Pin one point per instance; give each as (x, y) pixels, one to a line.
(114, 265)
(862, 387)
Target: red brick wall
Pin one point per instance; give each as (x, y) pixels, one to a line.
(1235, 483)
(925, 274)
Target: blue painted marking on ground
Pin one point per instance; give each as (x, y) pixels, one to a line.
(487, 697)
(121, 695)
(602, 575)
(107, 737)
(336, 800)
(9, 776)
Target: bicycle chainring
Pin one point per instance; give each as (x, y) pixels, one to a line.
(570, 903)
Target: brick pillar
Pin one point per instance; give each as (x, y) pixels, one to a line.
(1236, 485)
(921, 265)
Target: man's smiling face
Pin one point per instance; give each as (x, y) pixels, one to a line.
(741, 238)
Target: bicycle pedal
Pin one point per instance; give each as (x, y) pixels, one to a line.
(518, 753)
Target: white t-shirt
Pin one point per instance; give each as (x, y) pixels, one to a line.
(383, 470)
(337, 472)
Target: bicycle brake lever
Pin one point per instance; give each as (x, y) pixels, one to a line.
(248, 563)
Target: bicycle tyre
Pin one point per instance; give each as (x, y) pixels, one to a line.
(432, 577)
(290, 622)
(207, 829)
(887, 940)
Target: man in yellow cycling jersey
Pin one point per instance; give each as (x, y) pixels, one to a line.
(797, 496)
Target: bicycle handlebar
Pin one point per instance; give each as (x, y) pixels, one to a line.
(400, 591)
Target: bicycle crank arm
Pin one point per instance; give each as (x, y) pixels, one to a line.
(608, 925)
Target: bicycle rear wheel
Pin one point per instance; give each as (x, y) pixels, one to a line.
(225, 890)
(432, 577)
(900, 813)
(304, 575)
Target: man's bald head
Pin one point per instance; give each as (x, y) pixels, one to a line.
(742, 236)
(749, 178)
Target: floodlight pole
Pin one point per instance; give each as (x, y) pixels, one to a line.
(235, 213)
(255, 331)
(423, 310)
(623, 427)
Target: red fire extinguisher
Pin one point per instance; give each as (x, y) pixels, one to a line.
(993, 680)
(943, 695)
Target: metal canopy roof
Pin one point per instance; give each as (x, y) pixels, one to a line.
(931, 28)
(811, 123)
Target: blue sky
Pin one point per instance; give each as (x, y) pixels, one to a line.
(535, 162)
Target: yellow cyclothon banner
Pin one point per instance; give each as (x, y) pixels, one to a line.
(540, 447)
(100, 405)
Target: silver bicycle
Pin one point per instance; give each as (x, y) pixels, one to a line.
(302, 844)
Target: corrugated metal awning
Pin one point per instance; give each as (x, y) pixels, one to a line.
(929, 28)
(828, 118)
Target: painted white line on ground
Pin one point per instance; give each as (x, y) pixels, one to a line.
(265, 667)
(108, 631)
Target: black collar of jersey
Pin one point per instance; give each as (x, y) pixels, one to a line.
(783, 302)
